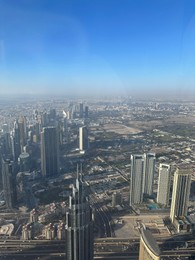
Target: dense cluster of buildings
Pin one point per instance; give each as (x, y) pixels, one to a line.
(35, 145)
(141, 183)
(40, 142)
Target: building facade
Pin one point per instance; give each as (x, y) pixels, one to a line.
(149, 249)
(149, 167)
(164, 183)
(83, 138)
(181, 192)
(9, 183)
(136, 179)
(79, 225)
(49, 151)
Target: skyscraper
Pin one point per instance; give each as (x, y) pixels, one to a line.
(86, 112)
(9, 183)
(22, 131)
(79, 225)
(164, 182)
(181, 192)
(83, 138)
(81, 110)
(149, 168)
(15, 141)
(49, 151)
(136, 179)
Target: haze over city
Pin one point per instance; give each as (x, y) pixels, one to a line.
(97, 129)
(97, 47)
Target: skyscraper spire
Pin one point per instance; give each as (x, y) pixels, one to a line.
(79, 224)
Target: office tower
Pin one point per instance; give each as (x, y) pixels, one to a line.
(22, 125)
(81, 111)
(9, 183)
(52, 114)
(136, 179)
(86, 112)
(15, 141)
(79, 225)
(24, 162)
(49, 151)
(5, 128)
(83, 138)
(65, 129)
(164, 182)
(149, 248)
(181, 192)
(7, 147)
(149, 168)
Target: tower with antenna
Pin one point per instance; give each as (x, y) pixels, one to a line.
(79, 223)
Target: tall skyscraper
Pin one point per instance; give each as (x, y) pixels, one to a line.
(22, 131)
(83, 138)
(181, 192)
(149, 168)
(136, 179)
(49, 151)
(81, 110)
(86, 112)
(141, 177)
(164, 182)
(15, 141)
(79, 225)
(9, 183)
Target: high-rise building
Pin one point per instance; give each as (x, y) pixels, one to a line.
(9, 183)
(22, 127)
(181, 192)
(86, 112)
(81, 110)
(15, 141)
(83, 138)
(149, 168)
(141, 177)
(79, 225)
(5, 128)
(136, 179)
(164, 182)
(149, 248)
(49, 151)
(7, 147)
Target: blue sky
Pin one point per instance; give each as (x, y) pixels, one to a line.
(97, 47)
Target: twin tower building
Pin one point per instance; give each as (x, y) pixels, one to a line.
(141, 177)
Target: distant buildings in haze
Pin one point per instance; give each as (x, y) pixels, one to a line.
(49, 151)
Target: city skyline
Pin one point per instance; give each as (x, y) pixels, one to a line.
(133, 48)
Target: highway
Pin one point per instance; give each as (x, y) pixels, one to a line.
(123, 175)
(103, 217)
(104, 248)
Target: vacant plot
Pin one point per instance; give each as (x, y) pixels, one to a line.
(121, 129)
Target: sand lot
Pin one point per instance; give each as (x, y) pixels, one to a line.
(129, 227)
(121, 129)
